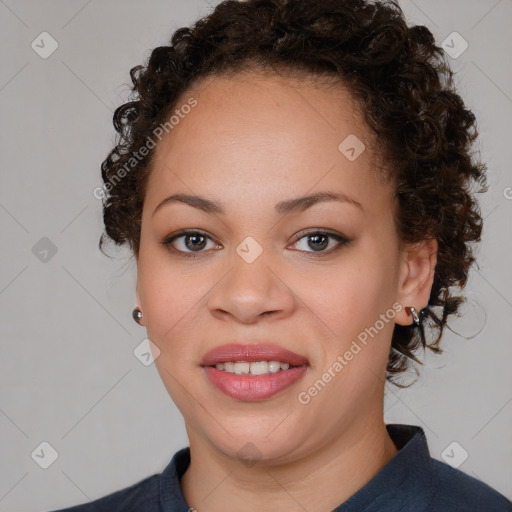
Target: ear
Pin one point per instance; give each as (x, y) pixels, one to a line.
(137, 303)
(416, 275)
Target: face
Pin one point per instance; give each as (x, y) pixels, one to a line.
(259, 277)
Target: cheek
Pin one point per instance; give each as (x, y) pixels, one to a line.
(171, 302)
(170, 298)
(348, 299)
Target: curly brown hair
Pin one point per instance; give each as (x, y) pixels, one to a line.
(398, 75)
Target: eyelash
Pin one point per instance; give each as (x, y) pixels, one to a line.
(167, 242)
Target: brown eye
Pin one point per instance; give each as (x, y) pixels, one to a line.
(195, 241)
(188, 242)
(320, 241)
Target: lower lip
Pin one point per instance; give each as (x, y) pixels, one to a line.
(251, 388)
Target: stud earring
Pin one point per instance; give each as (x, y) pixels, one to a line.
(137, 315)
(415, 316)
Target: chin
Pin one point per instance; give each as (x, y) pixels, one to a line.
(261, 443)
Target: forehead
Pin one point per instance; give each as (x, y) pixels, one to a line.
(267, 135)
(269, 107)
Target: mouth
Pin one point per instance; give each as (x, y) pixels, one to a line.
(253, 372)
(254, 368)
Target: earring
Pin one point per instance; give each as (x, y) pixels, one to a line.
(415, 316)
(137, 315)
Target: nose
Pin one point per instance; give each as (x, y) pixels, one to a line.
(252, 291)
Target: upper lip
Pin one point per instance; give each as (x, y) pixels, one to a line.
(250, 353)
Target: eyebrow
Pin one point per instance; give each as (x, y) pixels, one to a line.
(282, 208)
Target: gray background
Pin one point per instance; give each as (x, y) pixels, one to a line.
(68, 375)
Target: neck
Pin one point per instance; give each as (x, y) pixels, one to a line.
(320, 481)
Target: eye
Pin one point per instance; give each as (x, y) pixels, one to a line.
(192, 242)
(188, 242)
(320, 241)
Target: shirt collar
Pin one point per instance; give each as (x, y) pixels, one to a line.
(406, 481)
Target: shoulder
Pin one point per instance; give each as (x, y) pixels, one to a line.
(457, 491)
(139, 497)
(414, 480)
(153, 494)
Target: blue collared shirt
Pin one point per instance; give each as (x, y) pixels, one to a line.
(412, 481)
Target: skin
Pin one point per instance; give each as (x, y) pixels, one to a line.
(251, 142)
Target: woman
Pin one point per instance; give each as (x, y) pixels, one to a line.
(294, 179)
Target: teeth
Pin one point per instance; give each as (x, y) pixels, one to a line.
(259, 368)
(254, 368)
(242, 368)
(274, 366)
